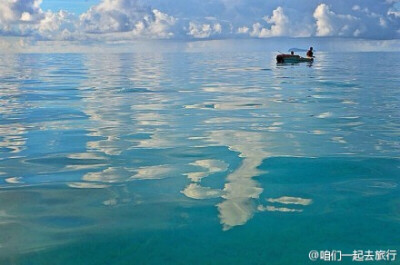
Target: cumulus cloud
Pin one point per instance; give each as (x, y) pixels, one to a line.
(283, 22)
(12, 11)
(363, 22)
(330, 24)
(279, 22)
(57, 26)
(394, 12)
(26, 18)
(128, 18)
(159, 19)
(243, 30)
(113, 18)
(202, 31)
(16, 16)
(355, 20)
(118, 16)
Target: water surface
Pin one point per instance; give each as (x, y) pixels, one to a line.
(197, 158)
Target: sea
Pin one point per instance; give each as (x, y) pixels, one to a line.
(200, 158)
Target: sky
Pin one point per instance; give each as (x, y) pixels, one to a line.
(113, 21)
(73, 6)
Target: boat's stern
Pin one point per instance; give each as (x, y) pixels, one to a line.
(280, 58)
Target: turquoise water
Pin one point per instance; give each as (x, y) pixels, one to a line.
(197, 158)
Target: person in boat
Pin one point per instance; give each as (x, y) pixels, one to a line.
(310, 52)
(292, 53)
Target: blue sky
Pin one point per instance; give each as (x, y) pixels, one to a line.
(74, 6)
(122, 20)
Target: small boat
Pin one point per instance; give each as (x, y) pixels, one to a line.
(290, 58)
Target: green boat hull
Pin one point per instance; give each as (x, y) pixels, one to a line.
(288, 58)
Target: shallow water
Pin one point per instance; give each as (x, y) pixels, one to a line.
(197, 158)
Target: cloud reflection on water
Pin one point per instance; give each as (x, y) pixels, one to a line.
(151, 117)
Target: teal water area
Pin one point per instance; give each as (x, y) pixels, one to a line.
(197, 158)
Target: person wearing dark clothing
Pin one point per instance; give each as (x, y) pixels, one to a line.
(310, 52)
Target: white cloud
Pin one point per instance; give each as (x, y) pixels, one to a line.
(156, 19)
(14, 11)
(243, 30)
(57, 26)
(128, 18)
(394, 12)
(331, 24)
(202, 31)
(161, 24)
(363, 22)
(116, 19)
(282, 22)
(113, 16)
(17, 16)
(279, 21)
